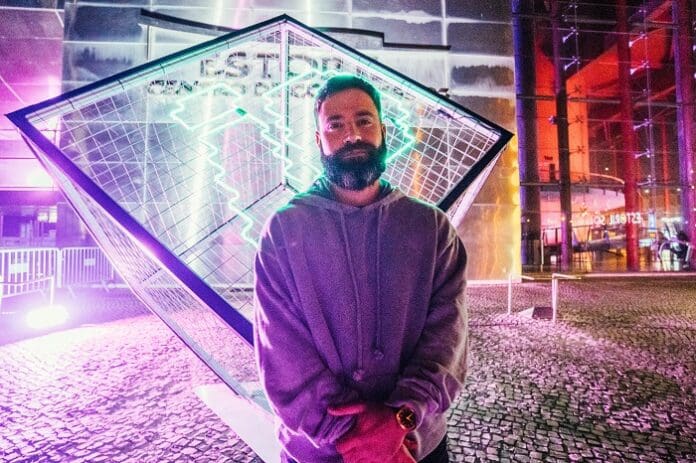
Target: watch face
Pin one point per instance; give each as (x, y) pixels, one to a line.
(406, 418)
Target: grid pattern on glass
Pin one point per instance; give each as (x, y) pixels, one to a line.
(226, 257)
(183, 165)
(430, 146)
(201, 148)
(205, 333)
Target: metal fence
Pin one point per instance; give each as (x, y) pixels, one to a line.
(84, 266)
(24, 271)
(30, 270)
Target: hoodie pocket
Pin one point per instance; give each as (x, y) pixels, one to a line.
(376, 387)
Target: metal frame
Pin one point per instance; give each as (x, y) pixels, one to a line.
(129, 225)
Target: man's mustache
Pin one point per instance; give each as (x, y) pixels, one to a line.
(346, 149)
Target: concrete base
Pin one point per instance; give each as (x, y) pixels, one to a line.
(248, 420)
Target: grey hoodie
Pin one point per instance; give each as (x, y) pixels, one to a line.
(358, 304)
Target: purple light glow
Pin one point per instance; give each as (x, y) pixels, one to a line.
(24, 174)
(47, 317)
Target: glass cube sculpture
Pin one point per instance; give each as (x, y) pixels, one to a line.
(175, 165)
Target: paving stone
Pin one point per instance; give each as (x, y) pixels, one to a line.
(613, 380)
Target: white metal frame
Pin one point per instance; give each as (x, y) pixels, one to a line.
(555, 277)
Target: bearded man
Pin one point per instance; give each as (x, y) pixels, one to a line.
(360, 321)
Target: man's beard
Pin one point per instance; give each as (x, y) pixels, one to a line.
(355, 173)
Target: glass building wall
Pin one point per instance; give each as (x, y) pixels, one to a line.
(629, 133)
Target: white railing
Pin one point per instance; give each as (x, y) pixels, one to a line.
(24, 271)
(30, 270)
(22, 265)
(26, 287)
(82, 266)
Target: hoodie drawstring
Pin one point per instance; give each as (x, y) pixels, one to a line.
(377, 347)
(359, 373)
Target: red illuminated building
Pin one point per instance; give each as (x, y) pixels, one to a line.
(605, 124)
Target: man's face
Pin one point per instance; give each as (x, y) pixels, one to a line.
(350, 137)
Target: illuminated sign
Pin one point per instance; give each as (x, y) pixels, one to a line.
(257, 73)
(251, 74)
(619, 218)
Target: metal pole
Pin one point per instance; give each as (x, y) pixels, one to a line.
(665, 162)
(509, 312)
(543, 236)
(284, 99)
(563, 139)
(59, 267)
(683, 68)
(51, 291)
(628, 135)
(554, 298)
(524, 45)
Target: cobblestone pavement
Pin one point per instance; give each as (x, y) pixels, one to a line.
(613, 380)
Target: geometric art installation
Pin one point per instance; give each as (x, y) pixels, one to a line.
(175, 165)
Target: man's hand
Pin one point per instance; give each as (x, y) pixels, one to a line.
(376, 437)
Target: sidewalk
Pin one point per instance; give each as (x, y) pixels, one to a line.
(613, 380)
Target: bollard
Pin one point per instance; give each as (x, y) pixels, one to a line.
(509, 294)
(554, 292)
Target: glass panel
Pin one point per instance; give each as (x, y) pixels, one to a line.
(176, 167)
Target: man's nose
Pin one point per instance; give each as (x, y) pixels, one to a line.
(352, 133)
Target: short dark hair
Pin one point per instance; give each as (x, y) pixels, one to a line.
(342, 82)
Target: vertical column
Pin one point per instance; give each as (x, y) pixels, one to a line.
(628, 135)
(684, 81)
(526, 113)
(285, 99)
(563, 140)
(664, 141)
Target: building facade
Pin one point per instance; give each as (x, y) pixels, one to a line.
(605, 130)
(429, 41)
(600, 95)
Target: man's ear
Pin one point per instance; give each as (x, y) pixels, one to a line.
(317, 139)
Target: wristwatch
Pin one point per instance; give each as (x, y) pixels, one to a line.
(406, 418)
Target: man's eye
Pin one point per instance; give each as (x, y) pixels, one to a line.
(335, 125)
(364, 122)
